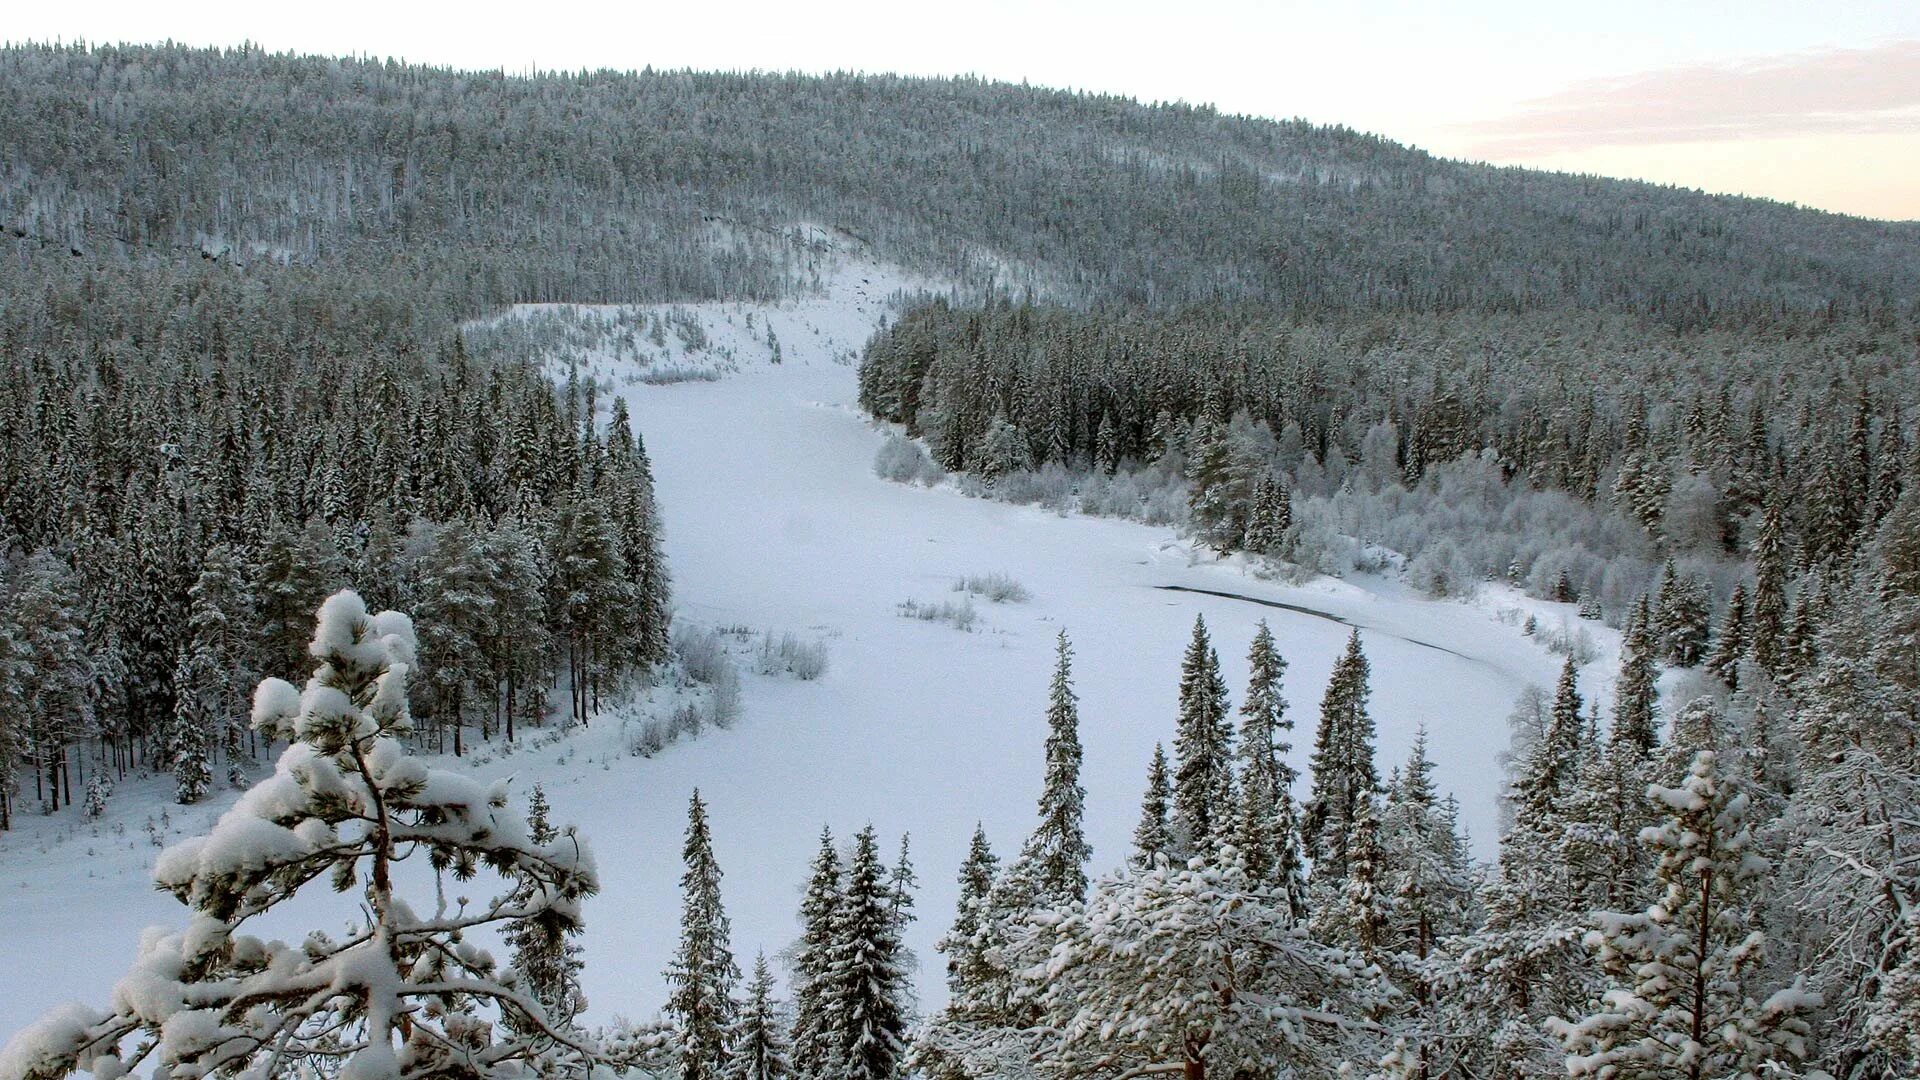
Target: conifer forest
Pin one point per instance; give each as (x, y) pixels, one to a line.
(684, 575)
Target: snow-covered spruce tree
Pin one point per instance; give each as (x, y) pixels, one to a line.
(1360, 913)
(1851, 857)
(191, 739)
(1002, 450)
(1681, 619)
(1684, 999)
(901, 884)
(1198, 969)
(966, 964)
(1057, 849)
(1203, 804)
(1550, 771)
(1428, 871)
(1730, 644)
(1500, 983)
(759, 1041)
(1429, 881)
(985, 1028)
(1636, 695)
(457, 608)
(400, 993)
(867, 1007)
(222, 606)
(1769, 625)
(702, 974)
(1269, 517)
(636, 517)
(545, 957)
(1342, 765)
(1217, 502)
(814, 1046)
(50, 673)
(1261, 832)
(1153, 836)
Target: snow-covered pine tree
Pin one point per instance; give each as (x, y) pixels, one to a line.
(760, 1050)
(867, 1004)
(516, 645)
(814, 1046)
(702, 975)
(1636, 694)
(1342, 764)
(545, 957)
(1198, 969)
(1203, 804)
(1685, 998)
(1057, 849)
(1153, 836)
(589, 595)
(397, 996)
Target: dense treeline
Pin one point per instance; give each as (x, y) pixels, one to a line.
(477, 188)
(191, 458)
(1570, 453)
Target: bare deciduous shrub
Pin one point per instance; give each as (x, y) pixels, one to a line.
(997, 587)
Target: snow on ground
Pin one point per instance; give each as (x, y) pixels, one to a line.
(775, 521)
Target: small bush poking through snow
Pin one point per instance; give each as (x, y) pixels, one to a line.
(960, 616)
(788, 655)
(904, 461)
(997, 587)
(702, 654)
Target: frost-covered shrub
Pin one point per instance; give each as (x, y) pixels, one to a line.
(997, 587)
(1568, 638)
(1442, 570)
(1319, 545)
(788, 655)
(670, 374)
(702, 654)
(723, 701)
(905, 461)
(960, 616)
(1051, 486)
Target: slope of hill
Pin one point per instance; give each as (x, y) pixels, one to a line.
(474, 188)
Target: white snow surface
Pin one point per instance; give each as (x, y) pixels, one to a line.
(775, 521)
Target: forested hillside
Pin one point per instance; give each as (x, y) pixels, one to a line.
(469, 189)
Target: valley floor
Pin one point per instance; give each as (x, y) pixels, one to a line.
(775, 521)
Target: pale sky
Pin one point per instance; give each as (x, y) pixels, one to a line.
(1810, 101)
